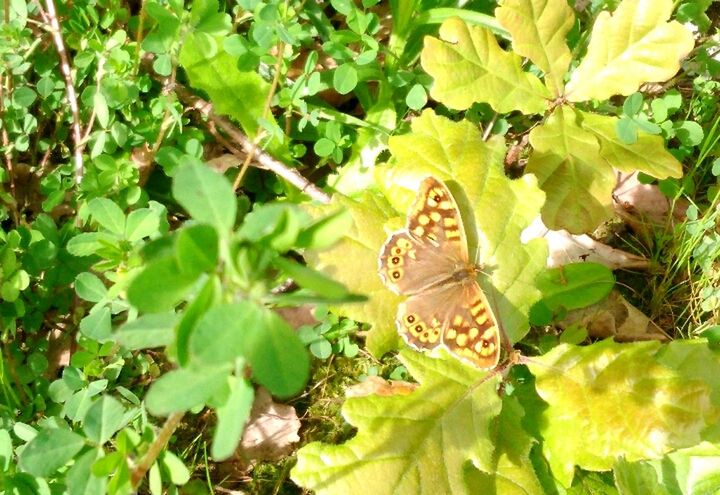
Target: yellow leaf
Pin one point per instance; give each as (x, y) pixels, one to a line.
(647, 155)
(578, 182)
(538, 29)
(634, 45)
(495, 209)
(469, 66)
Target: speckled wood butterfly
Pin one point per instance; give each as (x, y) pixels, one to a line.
(428, 261)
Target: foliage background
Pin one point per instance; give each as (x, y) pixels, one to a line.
(194, 197)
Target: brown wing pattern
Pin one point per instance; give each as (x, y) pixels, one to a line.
(432, 246)
(457, 316)
(428, 261)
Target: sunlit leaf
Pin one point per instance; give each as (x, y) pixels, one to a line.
(633, 45)
(495, 209)
(469, 66)
(410, 444)
(638, 400)
(647, 154)
(538, 29)
(578, 182)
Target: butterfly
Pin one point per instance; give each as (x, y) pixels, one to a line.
(428, 261)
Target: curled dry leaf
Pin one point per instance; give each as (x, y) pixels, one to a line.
(375, 385)
(615, 317)
(564, 248)
(642, 204)
(298, 316)
(271, 430)
(224, 162)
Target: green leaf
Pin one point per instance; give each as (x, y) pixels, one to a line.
(324, 147)
(689, 133)
(6, 450)
(326, 231)
(23, 97)
(108, 215)
(80, 478)
(179, 473)
(104, 418)
(469, 66)
(141, 223)
(647, 154)
(635, 478)
(578, 185)
(311, 279)
(185, 388)
(97, 324)
(539, 29)
(206, 195)
(196, 249)
(638, 400)
(204, 299)
(276, 355)
(635, 44)
(512, 472)
(50, 450)
(89, 243)
(231, 418)
(410, 444)
(238, 94)
(151, 330)
(576, 285)
(160, 286)
(345, 78)
(89, 287)
(276, 224)
(416, 98)
(353, 258)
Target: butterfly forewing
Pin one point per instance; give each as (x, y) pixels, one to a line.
(428, 261)
(431, 247)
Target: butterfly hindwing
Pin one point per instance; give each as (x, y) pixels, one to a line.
(457, 316)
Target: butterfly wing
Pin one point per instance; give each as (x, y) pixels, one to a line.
(457, 316)
(431, 248)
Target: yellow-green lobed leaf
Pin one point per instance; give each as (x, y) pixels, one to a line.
(513, 472)
(495, 209)
(469, 66)
(635, 44)
(647, 154)
(538, 29)
(413, 444)
(638, 400)
(353, 261)
(578, 181)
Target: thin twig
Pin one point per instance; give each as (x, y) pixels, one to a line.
(262, 158)
(12, 205)
(168, 428)
(266, 110)
(69, 88)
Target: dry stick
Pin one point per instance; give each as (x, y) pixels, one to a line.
(263, 159)
(12, 206)
(168, 428)
(266, 110)
(69, 88)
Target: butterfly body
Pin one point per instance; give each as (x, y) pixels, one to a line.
(428, 261)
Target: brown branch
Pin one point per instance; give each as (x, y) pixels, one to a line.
(263, 160)
(69, 88)
(7, 155)
(163, 436)
(266, 110)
